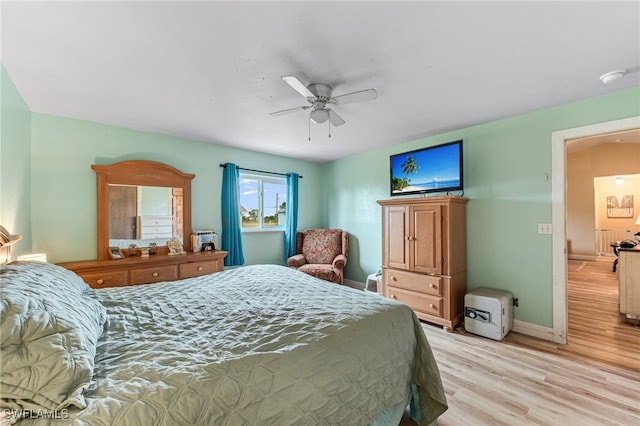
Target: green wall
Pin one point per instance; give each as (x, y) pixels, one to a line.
(505, 163)
(64, 186)
(15, 165)
(49, 158)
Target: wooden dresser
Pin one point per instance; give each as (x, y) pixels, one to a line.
(424, 256)
(145, 270)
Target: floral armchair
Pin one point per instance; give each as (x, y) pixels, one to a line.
(321, 253)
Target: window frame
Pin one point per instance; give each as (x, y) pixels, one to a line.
(262, 178)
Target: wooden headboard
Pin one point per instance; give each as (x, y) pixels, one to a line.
(6, 241)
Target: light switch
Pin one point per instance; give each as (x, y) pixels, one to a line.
(545, 228)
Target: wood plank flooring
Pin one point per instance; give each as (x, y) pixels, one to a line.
(596, 331)
(594, 380)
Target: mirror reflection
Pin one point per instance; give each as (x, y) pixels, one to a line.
(142, 215)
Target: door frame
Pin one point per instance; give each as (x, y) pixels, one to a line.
(558, 215)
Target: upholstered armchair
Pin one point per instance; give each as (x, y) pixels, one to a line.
(321, 253)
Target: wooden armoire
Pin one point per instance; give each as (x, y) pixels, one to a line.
(424, 256)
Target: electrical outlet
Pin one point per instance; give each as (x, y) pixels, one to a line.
(545, 228)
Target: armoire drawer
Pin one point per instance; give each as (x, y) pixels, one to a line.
(154, 274)
(427, 284)
(431, 305)
(195, 269)
(105, 279)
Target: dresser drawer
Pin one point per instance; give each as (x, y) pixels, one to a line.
(431, 305)
(154, 227)
(199, 268)
(426, 284)
(155, 221)
(105, 279)
(153, 274)
(157, 229)
(156, 232)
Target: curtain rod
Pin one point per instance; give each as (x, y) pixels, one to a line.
(259, 171)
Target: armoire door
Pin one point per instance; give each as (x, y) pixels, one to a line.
(395, 253)
(425, 239)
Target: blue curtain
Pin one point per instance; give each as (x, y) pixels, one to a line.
(291, 222)
(231, 240)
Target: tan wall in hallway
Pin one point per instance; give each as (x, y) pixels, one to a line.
(611, 159)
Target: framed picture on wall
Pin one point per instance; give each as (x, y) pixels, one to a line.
(619, 207)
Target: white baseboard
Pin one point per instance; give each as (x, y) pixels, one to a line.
(582, 257)
(534, 330)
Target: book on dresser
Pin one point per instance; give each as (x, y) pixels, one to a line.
(424, 256)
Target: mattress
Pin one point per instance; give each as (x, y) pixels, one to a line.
(260, 344)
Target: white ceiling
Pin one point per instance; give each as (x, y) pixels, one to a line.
(210, 71)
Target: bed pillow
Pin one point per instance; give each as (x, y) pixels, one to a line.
(49, 327)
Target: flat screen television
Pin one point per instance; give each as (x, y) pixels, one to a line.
(431, 169)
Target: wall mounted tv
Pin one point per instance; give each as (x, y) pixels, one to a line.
(431, 169)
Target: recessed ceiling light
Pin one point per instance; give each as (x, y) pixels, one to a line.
(612, 76)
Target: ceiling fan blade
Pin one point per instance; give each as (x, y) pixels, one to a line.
(335, 119)
(298, 86)
(287, 111)
(361, 95)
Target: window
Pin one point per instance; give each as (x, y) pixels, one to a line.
(263, 201)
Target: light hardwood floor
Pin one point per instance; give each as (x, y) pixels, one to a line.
(594, 380)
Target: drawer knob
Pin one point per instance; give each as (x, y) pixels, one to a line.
(200, 268)
(100, 281)
(393, 296)
(393, 278)
(431, 285)
(155, 274)
(431, 305)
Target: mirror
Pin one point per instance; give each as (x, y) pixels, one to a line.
(140, 202)
(142, 215)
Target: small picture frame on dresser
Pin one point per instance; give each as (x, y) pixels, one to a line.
(115, 253)
(208, 247)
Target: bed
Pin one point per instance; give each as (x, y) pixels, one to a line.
(262, 345)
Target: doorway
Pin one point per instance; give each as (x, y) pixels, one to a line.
(559, 142)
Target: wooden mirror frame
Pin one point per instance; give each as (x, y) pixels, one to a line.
(144, 173)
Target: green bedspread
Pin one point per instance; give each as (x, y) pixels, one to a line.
(259, 345)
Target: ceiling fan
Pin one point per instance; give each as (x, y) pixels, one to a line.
(319, 95)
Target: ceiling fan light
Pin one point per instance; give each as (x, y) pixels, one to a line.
(319, 116)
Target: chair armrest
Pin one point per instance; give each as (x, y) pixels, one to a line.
(296, 261)
(339, 262)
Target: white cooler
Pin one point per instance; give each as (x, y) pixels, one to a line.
(488, 313)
